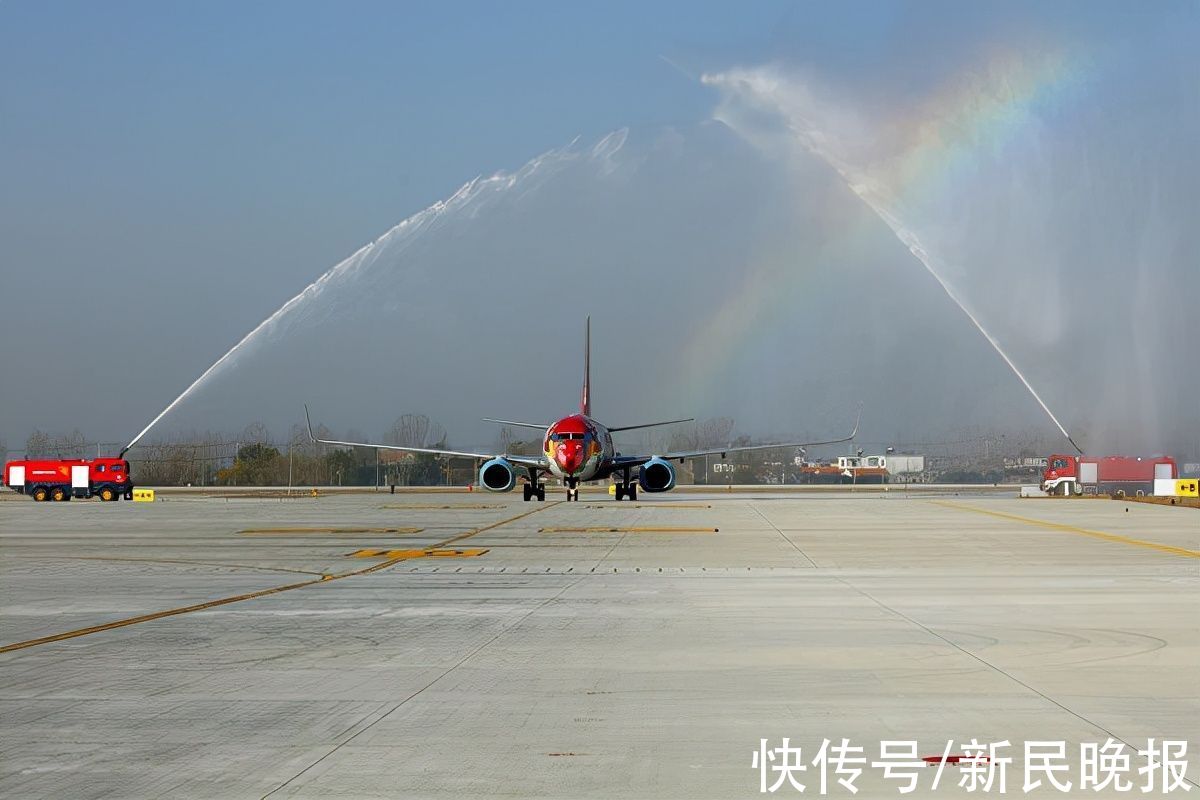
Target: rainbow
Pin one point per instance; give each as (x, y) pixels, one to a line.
(923, 157)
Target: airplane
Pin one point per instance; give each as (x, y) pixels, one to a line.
(577, 449)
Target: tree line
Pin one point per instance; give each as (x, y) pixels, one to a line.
(252, 457)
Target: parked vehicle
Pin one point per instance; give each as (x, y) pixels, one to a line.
(64, 478)
(1066, 475)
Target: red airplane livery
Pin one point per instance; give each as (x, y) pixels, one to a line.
(577, 449)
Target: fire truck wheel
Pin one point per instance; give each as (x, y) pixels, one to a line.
(40, 494)
(107, 494)
(58, 495)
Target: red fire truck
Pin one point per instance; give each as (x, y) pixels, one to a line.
(62, 479)
(1066, 475)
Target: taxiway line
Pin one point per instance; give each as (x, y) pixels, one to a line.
(123, 623)
(326, 578)
(1058, 526)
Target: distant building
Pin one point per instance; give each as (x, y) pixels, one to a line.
(905, 464)
(1027, 462)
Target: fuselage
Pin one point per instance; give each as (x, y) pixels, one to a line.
(578, 448)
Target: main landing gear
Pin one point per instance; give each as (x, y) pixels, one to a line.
(534, 488)
(626, 488)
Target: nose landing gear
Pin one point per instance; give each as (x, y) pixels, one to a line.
(572, 490)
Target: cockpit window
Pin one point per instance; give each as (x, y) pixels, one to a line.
(99, 468)
(116, 467)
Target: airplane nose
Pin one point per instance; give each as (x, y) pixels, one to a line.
(571, 458)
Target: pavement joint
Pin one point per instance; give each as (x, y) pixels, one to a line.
(1057, 526)
(174, 612)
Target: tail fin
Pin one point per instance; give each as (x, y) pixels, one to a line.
(585, 401)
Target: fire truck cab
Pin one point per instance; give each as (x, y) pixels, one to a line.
(1061, 476)
(62, 479)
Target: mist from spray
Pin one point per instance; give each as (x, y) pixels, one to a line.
(729, 254)
(1053, 218)
(759, 87)
(475, 307)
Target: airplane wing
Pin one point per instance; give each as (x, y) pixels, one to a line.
(537, 425)
(649, 425)
(633, 461)
(524, 461)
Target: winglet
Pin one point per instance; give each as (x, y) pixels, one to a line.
(308, 422)
(857, 420)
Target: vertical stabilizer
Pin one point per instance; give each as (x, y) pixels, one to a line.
(585, 401)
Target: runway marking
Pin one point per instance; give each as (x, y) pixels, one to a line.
(609, 529)
(485, 528)
(420, 507)
(1056, 526)
(469, 552)
(122, 623)
(670, 506)
(193, 563)
(322, 531)
(325, 578)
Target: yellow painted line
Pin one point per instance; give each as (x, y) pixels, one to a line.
(1055, 526)
(476, 531)
(470, 552)
(610, 529)
(173, 612)
(322, 531)
(122, 623)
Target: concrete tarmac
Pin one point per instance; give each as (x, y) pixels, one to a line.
(472, 645)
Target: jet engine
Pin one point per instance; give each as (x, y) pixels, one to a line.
(656, 475)
(498, 475)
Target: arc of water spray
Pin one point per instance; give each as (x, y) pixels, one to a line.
(469, 192)
(914, 246)
(311, 289)
(913, 243)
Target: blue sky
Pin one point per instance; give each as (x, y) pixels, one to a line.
(181, 169)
